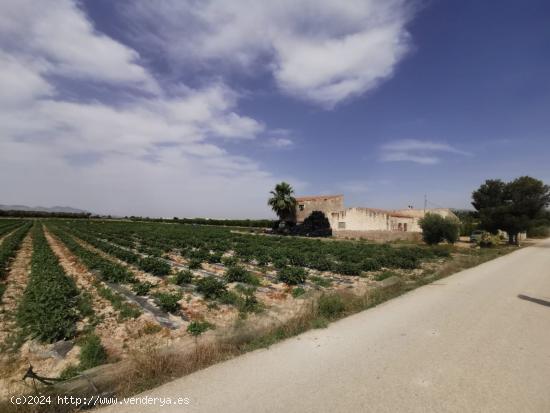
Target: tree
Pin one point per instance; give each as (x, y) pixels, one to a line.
(436, 229)
(283, 202)
(512, 207)
(315, 225)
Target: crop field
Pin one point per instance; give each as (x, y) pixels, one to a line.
(76, 294)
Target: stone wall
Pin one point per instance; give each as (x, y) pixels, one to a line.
(326, 204)
(378, 236)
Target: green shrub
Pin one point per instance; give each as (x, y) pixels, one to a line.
(155, 266)
(69, 372)
(383, 275)
(142, 288)
(85, 306)
(229, 297)
(320, 281)
(370, 264)
(348, 268)
(48, 309)
(214, 258)
(436, 229)
(331, 306)
(126, 310)
(196, 328)
(92, 352)
(292, 275)
(298, 291)
(229, 261)
(240, 274)
(210, 287)
(183, 277)
(168, 301)
(541, 231)
(195, 263)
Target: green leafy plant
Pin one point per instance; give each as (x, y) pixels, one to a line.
(436, 229)
(142, 288)
(48, 310)
(197, 328)
(240, 274)
(168, 301)
(183, 277)
(155, 266)
(92, 352)
(298, 291)
(210, 287)
(292, 275)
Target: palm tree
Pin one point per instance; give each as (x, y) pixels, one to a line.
(283, 202)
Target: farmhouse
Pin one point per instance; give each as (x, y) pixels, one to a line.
(365, 222)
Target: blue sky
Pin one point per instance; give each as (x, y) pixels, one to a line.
(198, 108)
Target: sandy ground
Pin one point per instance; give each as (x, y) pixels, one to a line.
(477, 341)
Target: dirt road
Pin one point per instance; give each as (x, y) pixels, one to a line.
(478, 341)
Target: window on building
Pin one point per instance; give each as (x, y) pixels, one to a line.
(341, 225)
(400, 227)
(301, 207)
(405, 227)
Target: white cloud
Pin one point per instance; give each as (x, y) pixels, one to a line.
(279, 139)
(323, 51)
(64, 42)
(156, 154)
(417, 151)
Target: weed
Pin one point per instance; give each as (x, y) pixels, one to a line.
(298, 291)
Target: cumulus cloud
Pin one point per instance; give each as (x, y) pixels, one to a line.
(322, 51)
(417, 151)
(129, 151)
(60, 40)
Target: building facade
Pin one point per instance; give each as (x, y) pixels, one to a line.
(365, 222)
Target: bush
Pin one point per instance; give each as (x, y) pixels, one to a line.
(298, 291)
(195, 263)
(210, 287)
(436, 229)
(92, 352)
(348, 268)
(214, 258)
(183, 277)
(168, 301)
(240, 274)
(142, 288)
(331, 306)
(292, 275)
(229, 261)
(370, 264)
(541, 231)
(196, 328)
(154, 266)
(488, 240)
(320, 281)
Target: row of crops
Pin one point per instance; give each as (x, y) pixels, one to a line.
(106, 270)
(209, 244)
(14, 232)
(51, 303)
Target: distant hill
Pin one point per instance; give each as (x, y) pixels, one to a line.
(54, 209)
